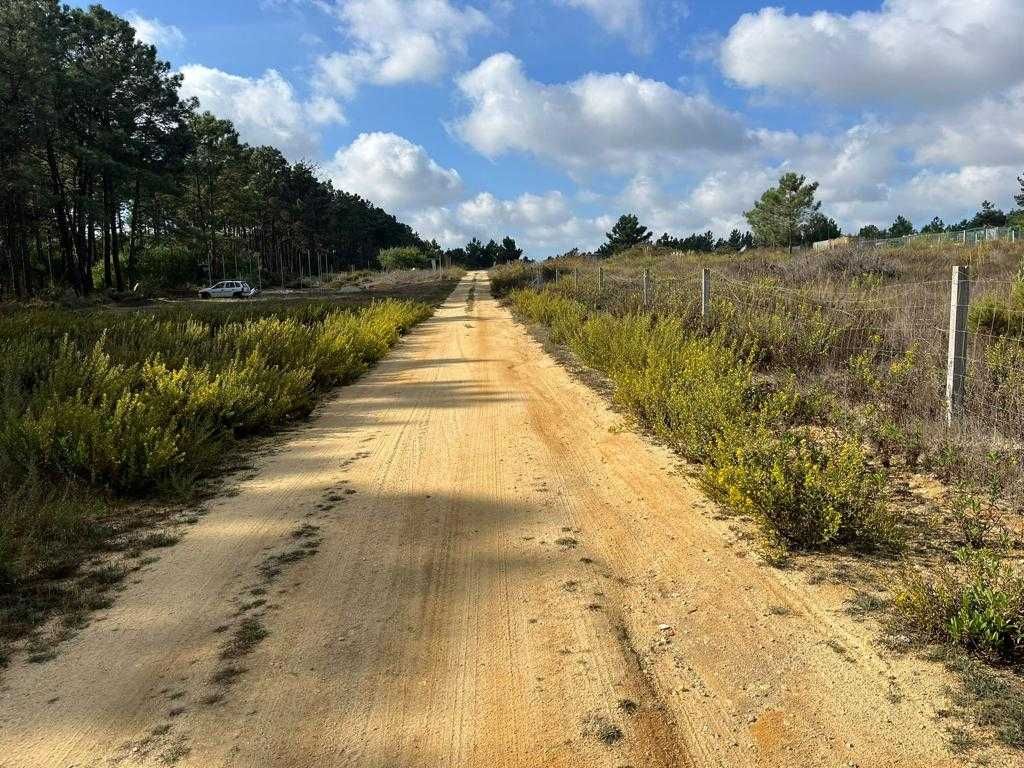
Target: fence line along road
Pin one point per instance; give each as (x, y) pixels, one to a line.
(975, 236)
(910, 315)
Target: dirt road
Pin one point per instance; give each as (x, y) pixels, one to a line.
(462, 562)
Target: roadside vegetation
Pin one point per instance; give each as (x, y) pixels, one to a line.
(806, 487)
(811, 395)
(104, 412)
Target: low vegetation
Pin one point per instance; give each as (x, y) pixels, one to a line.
(806, 488)
(808, 393)
(107, 408)
(976, 602)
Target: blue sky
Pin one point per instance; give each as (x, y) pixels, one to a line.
(545, 119)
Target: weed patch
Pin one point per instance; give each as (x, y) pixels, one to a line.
(602, 729)
(975, 603)
(249, 633)
(990, 699)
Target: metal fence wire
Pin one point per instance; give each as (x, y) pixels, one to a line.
(938, 359)
(970, 237)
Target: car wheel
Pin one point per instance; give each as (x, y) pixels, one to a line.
(204, 295)
(236, 295)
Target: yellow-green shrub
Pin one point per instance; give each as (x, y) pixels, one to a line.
(696, 392)
(809, 492)
(1000, 316)
(506, 278)
(152, 401)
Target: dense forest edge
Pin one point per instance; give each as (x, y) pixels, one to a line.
(111, 182)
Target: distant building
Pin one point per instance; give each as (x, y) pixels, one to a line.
(837, 242)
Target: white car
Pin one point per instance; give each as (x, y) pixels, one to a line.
(228, 289)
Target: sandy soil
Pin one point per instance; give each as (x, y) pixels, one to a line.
(462, 561)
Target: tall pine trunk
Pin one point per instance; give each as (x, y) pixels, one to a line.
(60, 207)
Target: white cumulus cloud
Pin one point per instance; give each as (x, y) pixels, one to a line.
(600, 121)
(542, 224)
(914, 52)
(397, 41)
(265, 109)
(155, 32)
(985, 132)
(392, 172)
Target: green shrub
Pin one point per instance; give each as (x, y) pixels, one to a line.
(1000, 379)
(797, 334)
(809, 493)
(888, 394)
(103, 405)
(1000, 316)
(976, 603)
(153, 401)
(506, 278)
(403, 258)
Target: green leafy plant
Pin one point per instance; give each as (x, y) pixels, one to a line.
(977, 603)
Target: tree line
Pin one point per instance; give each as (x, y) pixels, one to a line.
(478, 255)
(109, 177)
(788, 215)
(628, 233)
(987, 216)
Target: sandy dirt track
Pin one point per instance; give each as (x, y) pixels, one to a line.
(465, 563)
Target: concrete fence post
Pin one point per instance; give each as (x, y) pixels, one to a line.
(956, 370)
(576, 280)
(600, 279)
(647, 288)
(705, 293)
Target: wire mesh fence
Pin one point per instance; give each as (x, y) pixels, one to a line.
(968, 237)
(913, 363)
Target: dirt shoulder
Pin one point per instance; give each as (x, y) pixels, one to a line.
(464, 561)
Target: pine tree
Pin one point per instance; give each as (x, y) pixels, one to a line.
(988, 216)
(819, 227)
(509, 250)
(627, 233)
(782, 211)
(901, 227)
